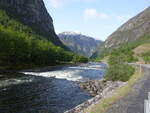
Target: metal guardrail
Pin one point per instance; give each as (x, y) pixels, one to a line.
(147, 104)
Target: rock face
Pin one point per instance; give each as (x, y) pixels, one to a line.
(34, 14)
(78, 43)
(131, 30)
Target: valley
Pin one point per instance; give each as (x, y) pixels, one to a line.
(48, 66)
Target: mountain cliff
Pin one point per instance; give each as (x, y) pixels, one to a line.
(34, 14)
(78, 43)
(133, 30)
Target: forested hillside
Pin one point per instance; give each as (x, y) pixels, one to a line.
(21, 47)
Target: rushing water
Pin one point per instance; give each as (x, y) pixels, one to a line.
(40, 92)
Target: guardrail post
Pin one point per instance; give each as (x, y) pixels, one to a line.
(140, 69)
(147, 104)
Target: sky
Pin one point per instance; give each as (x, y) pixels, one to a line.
(95, 18)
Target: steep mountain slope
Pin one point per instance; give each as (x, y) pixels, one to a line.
(132, 30)
(78, 43)
(34, 14)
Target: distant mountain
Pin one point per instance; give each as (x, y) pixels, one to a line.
(34, 14)
(78, 43)
(132, 30)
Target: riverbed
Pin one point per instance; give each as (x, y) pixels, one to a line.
(52, 91)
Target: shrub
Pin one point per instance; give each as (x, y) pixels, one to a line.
(119, 72)
(118, 69)
(146, 57)
(77, 59)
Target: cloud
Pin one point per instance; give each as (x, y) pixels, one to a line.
(93, 13)
(59, 3)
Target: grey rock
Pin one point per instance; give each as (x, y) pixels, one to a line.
(78, 43)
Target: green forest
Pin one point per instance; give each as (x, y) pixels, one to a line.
(21, 47)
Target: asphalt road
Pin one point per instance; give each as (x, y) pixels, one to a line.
(133, 102)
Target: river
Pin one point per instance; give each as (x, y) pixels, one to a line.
(52, 91)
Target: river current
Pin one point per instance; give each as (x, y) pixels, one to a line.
(47, 92)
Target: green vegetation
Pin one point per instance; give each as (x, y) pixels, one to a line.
(118, 67)
(119, 57)
(95, 59)
(146, 57)
(142, 49)
(119, 72)
(77, 58)
(142, 52)
(21, 47)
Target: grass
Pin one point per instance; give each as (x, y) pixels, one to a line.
(138, 51)
(142, 48)
(104, 104)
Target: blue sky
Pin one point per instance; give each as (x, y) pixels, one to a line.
(96, 18)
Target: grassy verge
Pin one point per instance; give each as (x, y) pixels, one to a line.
(104, 104)
(142, 52)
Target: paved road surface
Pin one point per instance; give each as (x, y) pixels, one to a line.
(134, 101)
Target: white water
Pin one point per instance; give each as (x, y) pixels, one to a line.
(34, 94)
(75, 73)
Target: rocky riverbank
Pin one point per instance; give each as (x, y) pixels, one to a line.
(99, 89)
(94, 87)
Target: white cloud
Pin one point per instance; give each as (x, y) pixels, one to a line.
(93, 13)
(90, 12)
(59, 3)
